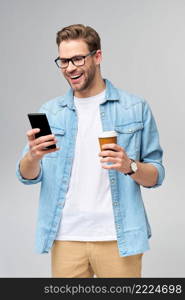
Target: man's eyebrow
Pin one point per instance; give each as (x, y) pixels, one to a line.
(71, 57)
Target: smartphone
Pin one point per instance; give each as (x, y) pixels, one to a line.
(39, 120)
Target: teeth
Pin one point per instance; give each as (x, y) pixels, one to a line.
(76, 76)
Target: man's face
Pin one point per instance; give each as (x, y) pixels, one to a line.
(80, 78)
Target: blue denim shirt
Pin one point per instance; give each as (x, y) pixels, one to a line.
(132, 118)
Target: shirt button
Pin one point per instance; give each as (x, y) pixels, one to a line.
(115, 203)
(102, 114)
(130, 130)
(112, 180)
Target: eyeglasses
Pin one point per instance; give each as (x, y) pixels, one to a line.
(77, 61)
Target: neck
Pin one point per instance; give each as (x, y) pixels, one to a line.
(97, 86)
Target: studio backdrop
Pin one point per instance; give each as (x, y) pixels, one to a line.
(143, 53)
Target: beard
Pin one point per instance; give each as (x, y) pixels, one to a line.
(88, 77)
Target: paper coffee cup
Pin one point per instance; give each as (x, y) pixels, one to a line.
(107, 137)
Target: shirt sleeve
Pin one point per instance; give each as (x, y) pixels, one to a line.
(19, 175)
(151, 151)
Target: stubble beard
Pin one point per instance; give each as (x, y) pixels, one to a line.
(89, 77)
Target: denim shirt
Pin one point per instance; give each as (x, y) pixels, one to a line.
(132, 119)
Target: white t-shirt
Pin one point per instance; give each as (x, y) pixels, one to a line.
(88, 214)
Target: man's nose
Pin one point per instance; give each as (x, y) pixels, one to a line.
(71, 67)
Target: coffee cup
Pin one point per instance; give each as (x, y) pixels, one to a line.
(107, 137)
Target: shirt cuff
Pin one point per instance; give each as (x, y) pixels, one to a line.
(161, 174)
(28, 181)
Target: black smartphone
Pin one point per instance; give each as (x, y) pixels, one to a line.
(39, 120)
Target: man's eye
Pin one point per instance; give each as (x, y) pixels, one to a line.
(64, 61)
(77, 58)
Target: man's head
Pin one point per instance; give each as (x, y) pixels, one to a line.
(79, 58)
(80, 32)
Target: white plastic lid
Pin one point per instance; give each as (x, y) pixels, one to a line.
(106, 134)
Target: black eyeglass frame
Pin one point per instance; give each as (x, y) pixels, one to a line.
(71, 59)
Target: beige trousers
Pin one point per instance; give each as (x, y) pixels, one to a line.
(75, 259)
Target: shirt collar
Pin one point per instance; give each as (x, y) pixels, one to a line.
(111, 94)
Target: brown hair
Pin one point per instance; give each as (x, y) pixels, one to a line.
(79, 31)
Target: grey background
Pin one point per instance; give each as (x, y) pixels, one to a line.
(144, 53)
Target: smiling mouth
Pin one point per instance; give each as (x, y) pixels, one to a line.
(75, 78)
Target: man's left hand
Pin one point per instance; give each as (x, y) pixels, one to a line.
(117, 156)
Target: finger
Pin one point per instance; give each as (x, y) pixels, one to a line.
(109, 153)
(31, 133)
(111, 159)
(41, 146)
(114, 147)
(113, 166)
(46, 151)
(45, 138)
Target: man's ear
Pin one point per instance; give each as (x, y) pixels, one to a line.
(98, 56)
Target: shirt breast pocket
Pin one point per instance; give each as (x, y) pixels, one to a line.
(129, 137)
(59, 134)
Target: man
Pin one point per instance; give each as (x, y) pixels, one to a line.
(91, 213)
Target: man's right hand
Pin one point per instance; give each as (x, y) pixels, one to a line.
(30, 163)
(37, 145)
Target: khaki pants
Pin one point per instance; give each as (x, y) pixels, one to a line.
(75, 259)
